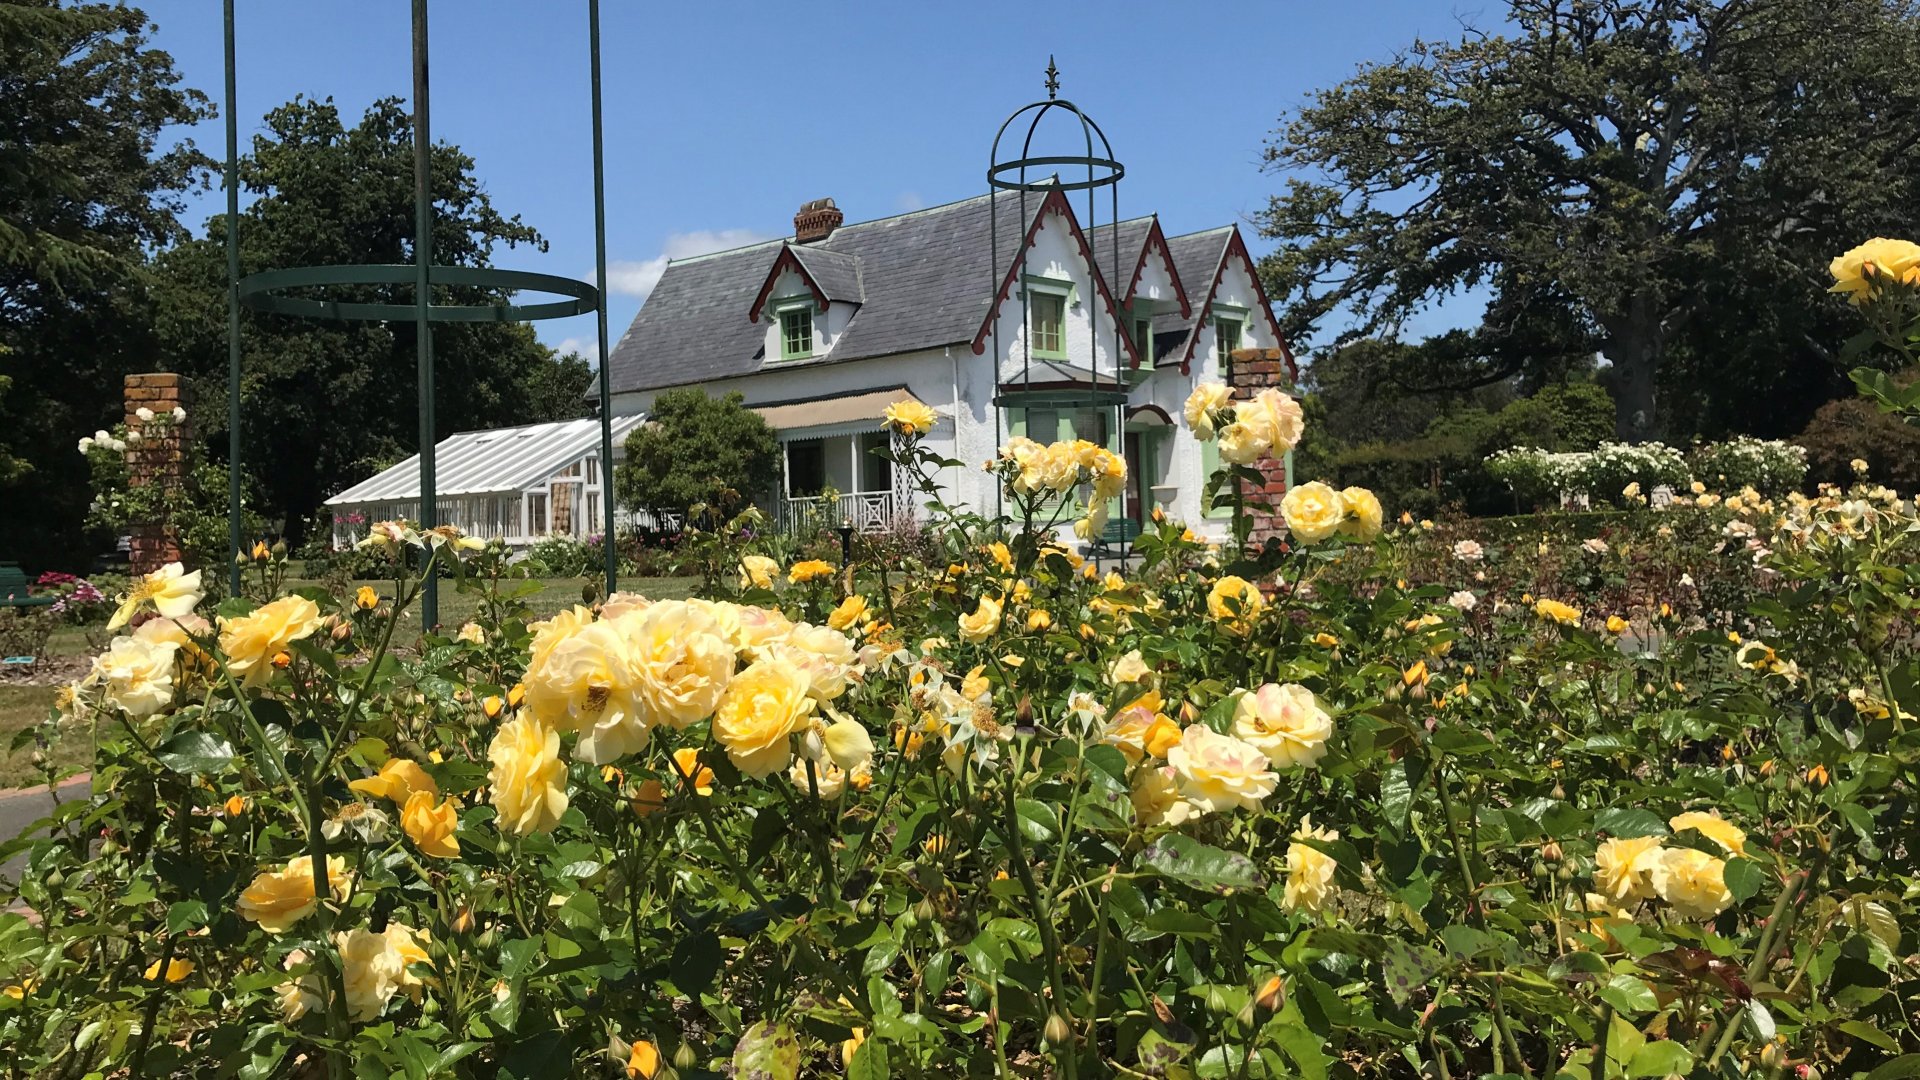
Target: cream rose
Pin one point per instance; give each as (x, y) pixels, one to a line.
(1276, 417)
(758, 572)
(1620, 867)
(1156, 797)
(1309, 870)
(1364, 515)
(1219, 772)
(1313, 512)
(589, 685)
(528, 778)
(827, 655)
(764, 706)
(1206, 399)
(1284, 722)
(135, 675)
(984, 620)
(1692, 882)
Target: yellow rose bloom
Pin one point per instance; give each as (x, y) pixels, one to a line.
(910, 417)
(809, 570)
(1880, 259)
(1554, 610)
(250, 642)
(177, 970)
(1001, 555)
(1313, 511)
(1276, 419)
(763, 707)
(1310, 871)
(397, 780)
(1139, 729)
(1714, 827)
(1236, 602)
(365, 598)
(1206, 400)
(1620, 867)
(1616, 625)
(984, 620)
(135, 674)
(589, 684)
(1692, 882)
(851, 612)
(1129, 668)
(1155, 794)
(699, 778)
(1039, 619)
(1283, 722)
(757, 571)
(528, 778)
(375, 967)
(1219, 772)
(276, 899)
(430, 824)
(1243, 443)
(680, 659)
(1364, 514)
(643, 1059)
(173, 591)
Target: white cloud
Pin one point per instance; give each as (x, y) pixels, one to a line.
(637, 278)
(588, 348)
(909, 201)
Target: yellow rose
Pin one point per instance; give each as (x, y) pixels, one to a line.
(1620, 867)
(1363, 514)
(528, 778)
(1313, 511)
(1242, 444)
(177, 970)
(173, 591)
(809, 570)
(1693, 882)
(697, 777)
(1141, 730)
(763, 707)
(1284, 722)
(135, 674)
(548, 634)
(1206, 400)
(1156, 797)
(365, 598)
(276, 899)
(1564, 614)
(372, 969)
(1309, 870)
(1714, 827)
(1039, 619)
(1275, 418)
(1879, 260)
(588, 684)
(252, 641)
(1616, 625)
(984, 620)
(851, 612)
(643, 1059)
(397, 780)
(1128, 669)
(430, 824)
(756, 572)
(910, 417)
(1219, 772)
(1236, 602)
(680, 659)
(828, 657)
(1001, 555)
(848, 744)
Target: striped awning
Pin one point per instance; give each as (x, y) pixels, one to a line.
(861, 408)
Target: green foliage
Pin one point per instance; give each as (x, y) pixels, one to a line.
(325, 193)
(698, 451)
(1855, 429)
(88, 187)
(1613, 170)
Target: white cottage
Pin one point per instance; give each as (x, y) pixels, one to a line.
(820, 331)
(516, 484)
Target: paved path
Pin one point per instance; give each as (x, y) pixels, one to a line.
(24, 806)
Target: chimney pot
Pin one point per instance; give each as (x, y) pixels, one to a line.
(816, 221)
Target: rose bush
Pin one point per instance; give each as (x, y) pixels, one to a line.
(1388, 800)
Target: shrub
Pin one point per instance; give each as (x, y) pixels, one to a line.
(1768, 466)
(1852, 429)
(696, 450)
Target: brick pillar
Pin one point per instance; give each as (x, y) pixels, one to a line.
(1255, 370)
(157, 457)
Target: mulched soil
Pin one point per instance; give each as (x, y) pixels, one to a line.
(46, 671)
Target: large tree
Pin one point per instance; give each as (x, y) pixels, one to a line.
(1639, 171)
(326, 403)
(88, 188)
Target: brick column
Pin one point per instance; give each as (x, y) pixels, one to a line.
(1255, 370)
(157, 457)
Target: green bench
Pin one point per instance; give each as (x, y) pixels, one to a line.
(13, 588)
(1118, 531)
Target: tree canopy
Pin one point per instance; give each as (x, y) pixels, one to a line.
(88, 188)
(1646, 176)
(345, 393)
(697, 450)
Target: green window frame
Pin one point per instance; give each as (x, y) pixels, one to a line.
(1227, 336)
(1047, 321)
(796, 332)
(1143, 338)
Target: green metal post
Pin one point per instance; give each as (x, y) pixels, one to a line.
(423, 294)
(607, 535)
(234, 539)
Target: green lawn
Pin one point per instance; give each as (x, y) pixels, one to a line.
(23, 707)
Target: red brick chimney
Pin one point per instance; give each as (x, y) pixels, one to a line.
(1255, 370)
(816, 221)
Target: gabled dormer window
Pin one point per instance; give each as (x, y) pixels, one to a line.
(796, 331)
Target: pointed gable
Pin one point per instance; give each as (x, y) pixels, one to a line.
(1055, 203)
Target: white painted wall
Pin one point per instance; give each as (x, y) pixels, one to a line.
(1055, 255)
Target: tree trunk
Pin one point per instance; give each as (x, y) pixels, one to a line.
(1634, 346)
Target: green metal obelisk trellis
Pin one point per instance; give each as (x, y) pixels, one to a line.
(288, 292)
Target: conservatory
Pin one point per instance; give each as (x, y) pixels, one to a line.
(516, 485)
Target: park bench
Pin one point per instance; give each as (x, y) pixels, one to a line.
(1118, 531)
(13, 588)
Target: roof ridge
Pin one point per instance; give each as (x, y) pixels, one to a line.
(1203, 232)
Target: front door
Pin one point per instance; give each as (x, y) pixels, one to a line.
(1135, 505)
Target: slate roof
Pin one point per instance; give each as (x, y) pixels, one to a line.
(837, 273)
(1196, 259)
(1133, 237)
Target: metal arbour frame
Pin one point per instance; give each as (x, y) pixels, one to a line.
(1102, 170)
(266, 292)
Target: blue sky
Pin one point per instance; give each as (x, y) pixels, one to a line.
(723, 117)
